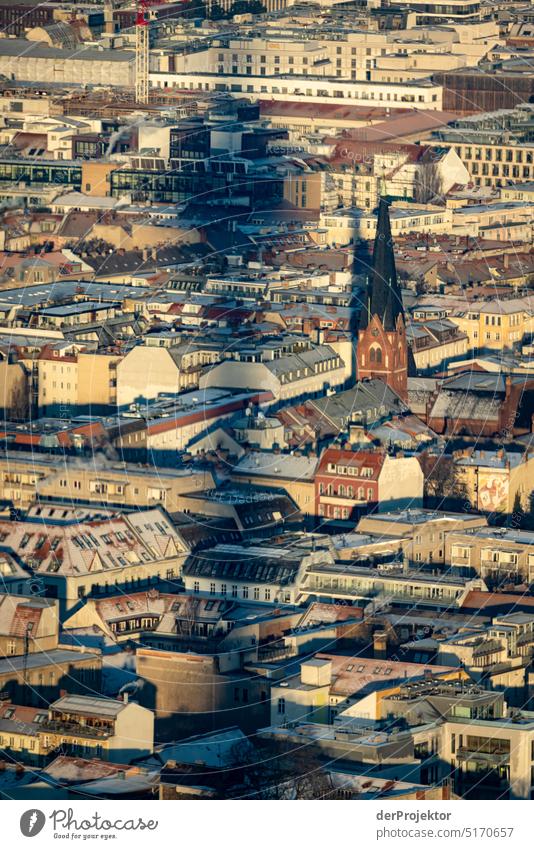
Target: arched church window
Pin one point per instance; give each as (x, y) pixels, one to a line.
(375, 354)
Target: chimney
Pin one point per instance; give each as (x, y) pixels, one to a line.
(508, 384)
(380, 644)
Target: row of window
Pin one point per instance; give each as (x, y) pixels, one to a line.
(258, 593)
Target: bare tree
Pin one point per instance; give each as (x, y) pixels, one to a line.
(188, 616)
(428, 183)
(280, 769)
(20, 405)
(443, 485)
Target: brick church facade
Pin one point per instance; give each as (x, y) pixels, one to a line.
(382, 346)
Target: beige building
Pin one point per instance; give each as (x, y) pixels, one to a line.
(426, 531)
(71, 378)
(307, 372)
(293, 473)
(23, 476)
(27, 624)
(496, 554)
(493, 164)
(346, 226)
(110, 729)
(313, 88)
(490, 753)
(79, 727)
(497, 325)
(81, 557)
(147, 371)
(496, 481)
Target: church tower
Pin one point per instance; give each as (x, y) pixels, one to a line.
(382, 348)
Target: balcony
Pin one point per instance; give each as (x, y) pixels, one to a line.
(490, 760)
(74, 729)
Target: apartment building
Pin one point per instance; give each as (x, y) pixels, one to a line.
(427, 530)
(38, 678)
(422, 94)
(497, 324)
(81, 727)
(496, 481)
(495, 756)
(350, 482)
(74, 558)
(498, 656)
(499, 555)
(24, 476)
(392, 582)
(106, 728)
(265, 573)
(347, 226)
(491, 162)
(299, 374)
(146, 371)
(504, 222)
(27, 624)
(336, 54)
(74, 380)
(435, 344)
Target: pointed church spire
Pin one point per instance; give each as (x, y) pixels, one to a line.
(383, 297)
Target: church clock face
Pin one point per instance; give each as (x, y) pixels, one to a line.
(374, 332)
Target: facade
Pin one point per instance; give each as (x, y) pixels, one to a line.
(28, 624)
(493, 754)
(121, 485)
(74, 559)
(382, 347)
(497, 555)
(106, 728)
(260, 573)
(78, 381)
(311, 89)
(31, 60)
(38, 678)
(349, 483)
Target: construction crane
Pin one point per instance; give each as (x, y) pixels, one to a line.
(143, 22)
(142, 50)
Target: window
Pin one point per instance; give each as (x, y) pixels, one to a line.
(375, 354)
(281, 705)
(196, 587)
(256, 593)
(267, 595)
(212, 588)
